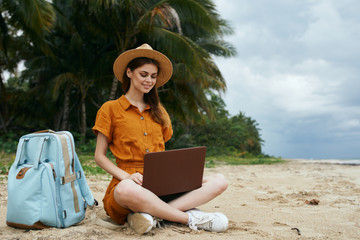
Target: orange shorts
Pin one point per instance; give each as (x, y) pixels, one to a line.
(114, 210)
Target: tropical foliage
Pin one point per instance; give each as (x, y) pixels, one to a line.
(223, 135)
(68, 47)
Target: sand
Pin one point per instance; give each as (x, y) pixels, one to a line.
(262, 202)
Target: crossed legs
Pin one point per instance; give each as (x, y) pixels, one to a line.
(130, 195)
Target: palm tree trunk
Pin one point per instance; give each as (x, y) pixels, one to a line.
(83, 120)
(65, 122)
(2, 123)
(113, 89)
(4, 106)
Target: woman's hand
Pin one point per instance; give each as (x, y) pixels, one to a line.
(137, 178)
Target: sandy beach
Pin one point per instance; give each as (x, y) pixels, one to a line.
(295, 200)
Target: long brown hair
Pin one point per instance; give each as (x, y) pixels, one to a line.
(151, 98)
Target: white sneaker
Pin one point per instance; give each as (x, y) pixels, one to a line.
(141, 222)
(213, 222)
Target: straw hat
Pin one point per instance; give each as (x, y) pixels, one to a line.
(144, 50)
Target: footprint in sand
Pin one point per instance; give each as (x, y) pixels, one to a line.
(249, 223)
(279, 224)
(241, 226)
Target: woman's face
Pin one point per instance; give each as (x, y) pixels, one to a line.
(143, 78)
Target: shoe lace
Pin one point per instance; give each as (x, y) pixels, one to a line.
(158, 222)
(206, 225)
(203, 222)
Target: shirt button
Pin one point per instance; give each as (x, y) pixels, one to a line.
(142, 118)
(147, 150)
(145, 133)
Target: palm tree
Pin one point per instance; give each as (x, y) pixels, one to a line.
(76, 68)
(191, 50)
(88, 36)
(21, 22)
(250, 139)
(31, 18)
(188, 31)
(128, 24)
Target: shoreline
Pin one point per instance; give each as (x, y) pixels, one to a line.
(261, 202)
(353, 162)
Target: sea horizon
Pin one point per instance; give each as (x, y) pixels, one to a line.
(340, 161)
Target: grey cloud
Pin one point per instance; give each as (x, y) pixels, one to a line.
(297, 73)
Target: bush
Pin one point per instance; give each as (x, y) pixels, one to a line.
(9, 142)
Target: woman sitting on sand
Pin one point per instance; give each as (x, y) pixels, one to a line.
(133, 125)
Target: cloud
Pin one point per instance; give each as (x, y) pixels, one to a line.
(297, 74)
(332, 31)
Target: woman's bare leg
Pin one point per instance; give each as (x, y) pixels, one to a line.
(213, 186)
(130, 195)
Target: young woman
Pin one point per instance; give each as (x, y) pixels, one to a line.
(133, 125)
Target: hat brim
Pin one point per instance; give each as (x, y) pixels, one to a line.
(166, 68)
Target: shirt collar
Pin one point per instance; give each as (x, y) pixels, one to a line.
(125, 104)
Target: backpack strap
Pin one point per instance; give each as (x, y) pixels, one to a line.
(69, 176)
(80, 176)
(39, 151)
(19, 150)
(84, 187)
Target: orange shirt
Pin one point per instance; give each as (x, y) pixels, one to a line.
(130, 133)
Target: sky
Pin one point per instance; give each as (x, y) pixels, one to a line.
(297, 73)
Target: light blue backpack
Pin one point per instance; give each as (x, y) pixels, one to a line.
(46, 183)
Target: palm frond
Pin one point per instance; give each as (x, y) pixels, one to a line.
(60, 80)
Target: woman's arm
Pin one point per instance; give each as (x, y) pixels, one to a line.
(103, 161)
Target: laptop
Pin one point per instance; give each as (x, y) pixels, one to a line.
(174, 171)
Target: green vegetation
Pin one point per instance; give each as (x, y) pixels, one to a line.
(68, 58)
(68, 48)
(6, 159)
(230, 160)
(230, 140)
(90, 167)
(237, 136)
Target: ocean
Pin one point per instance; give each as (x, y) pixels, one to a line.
(337, 161)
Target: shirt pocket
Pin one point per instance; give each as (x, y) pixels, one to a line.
(126, 130)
